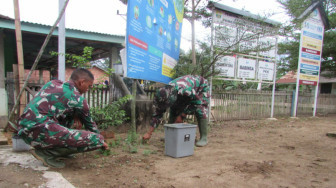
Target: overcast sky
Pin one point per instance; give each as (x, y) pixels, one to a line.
(101, 15)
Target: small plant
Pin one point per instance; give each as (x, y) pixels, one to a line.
(92, 165)
(110, 115)
(132, 137)
(147, 152)
(96, 156)
(113, 144)
(106, 152)
(130, 148)
(131, 142)
(134, 149)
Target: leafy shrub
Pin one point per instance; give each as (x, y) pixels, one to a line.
(110, 115)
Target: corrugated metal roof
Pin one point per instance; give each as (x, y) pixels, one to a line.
(8, 23)
(289, 78)
(93, 32)
(33, 35)
(5, 17)
(243, 13)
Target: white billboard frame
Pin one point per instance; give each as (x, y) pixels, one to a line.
(230, 18)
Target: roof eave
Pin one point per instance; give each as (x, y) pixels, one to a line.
(311, 8)
(242, 13)
(70, 33)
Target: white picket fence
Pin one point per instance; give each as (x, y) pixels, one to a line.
(254, 105)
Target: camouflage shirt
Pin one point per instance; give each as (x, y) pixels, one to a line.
(194, 87)
(59, 102)
(188, 94)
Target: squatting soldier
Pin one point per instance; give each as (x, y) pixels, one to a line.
(46, 121)
(184, 95)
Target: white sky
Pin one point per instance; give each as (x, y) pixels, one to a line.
(101, 15)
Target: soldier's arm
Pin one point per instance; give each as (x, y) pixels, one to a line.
(85, 117)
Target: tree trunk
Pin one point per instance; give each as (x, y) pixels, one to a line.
(193, 33)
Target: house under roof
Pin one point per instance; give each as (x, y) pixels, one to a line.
(290, 78)
(33, 36)
(326, 84)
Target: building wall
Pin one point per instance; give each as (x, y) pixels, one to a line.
(35, 77)
(99, 75)
(333, 88)
(3, 94)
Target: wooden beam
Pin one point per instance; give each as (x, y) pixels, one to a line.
(19, 54)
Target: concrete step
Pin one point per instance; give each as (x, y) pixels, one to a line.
(3, 138)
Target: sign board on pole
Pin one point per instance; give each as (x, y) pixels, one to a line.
(265, 71)
(226, 65)
(153, 38)
(312, 32)
(311, 49)
(246, 68)
(255, 39)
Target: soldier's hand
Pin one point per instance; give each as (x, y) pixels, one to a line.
(179, 119)
(77, 123)
(105, 146)
(147, 136)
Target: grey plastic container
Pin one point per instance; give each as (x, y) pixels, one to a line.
(19, 144)
(179, 139)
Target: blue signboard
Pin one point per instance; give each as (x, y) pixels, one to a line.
(153, 38)
(310, 56)
(309, 67)
(312, 35)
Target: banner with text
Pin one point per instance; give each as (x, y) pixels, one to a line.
(153, 38)
(311, 49)
(265, 71)
(246, 68)
(226, 65)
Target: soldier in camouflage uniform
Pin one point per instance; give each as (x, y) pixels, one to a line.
(46, 121)
(184, 95)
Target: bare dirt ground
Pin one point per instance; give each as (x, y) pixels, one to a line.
(251, 153)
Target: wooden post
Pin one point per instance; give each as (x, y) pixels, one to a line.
(3, 93)
(113, 57)
(35, 63)
(133, 106)
(2, 60)
(16, 80)
(11, 90)
(19, 54)
(61, 42)
(41, 81)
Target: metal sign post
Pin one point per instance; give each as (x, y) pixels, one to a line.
(311, 40)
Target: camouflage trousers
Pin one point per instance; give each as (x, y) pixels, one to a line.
(182, 105)
(53, 135)
(200, 111)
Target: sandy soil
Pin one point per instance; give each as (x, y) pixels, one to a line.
(251, 153)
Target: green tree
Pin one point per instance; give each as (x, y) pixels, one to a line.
(78, 61)
(204, 67)
(195, 10)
